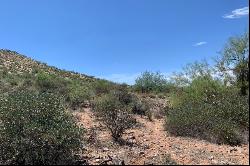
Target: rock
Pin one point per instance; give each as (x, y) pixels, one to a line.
(122, 162)
(215, 162)
(141, 153)
(146, 146)
(232, 149)
(98, 157)
(131, 137)
(86, 104)
(105, 149)
(211, 158)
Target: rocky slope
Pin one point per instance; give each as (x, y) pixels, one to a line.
(149, 143)
(13, 62)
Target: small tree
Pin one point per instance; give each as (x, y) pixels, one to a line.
(150, 81)
(190, 72)
(78, 94)
(209, 110)
(114, 115)
(102, 87)
(121, 92)
(235, 59)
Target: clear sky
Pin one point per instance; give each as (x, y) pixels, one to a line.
(118, 39)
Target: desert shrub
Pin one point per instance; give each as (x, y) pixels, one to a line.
(102, 87)
(149, 114)
(45, 81)
(10, 79)
(151, 82)
(122, 94)
(13, 81)
(78, 94)
(114, 115)
(210, 111)
(152, 96)
(162, 96)
(36, 129)
(141, 107)
(138, 107)
(168, 160)
(51, 83)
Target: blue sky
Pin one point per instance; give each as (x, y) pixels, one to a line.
(118, 39)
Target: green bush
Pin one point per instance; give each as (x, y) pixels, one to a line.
(138, 107)
(162, 96)
(151, 82)
(210, 111)
(114, 115)
(36, 129)
(141, 107)
(78, 94)
(45, 81)
(102, 87)
(122, 94)
(52, 83)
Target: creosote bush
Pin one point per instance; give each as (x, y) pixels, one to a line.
(141, 107)
(36, 129)
(115, 115)
(121, 92)
(102, 87)
(78, 94)
(151, 82)
(208, 110)
(52, 83)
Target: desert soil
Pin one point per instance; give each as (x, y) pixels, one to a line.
(149, 143)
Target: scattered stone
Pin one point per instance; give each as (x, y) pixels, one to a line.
(98, 157)
(215, 162)
(105, 149)
(233, 149)
(211, 158)
(131, 137)
(146, 147)
(141, 153)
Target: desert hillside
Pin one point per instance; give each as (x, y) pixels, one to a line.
(16, 63)
(121, 124)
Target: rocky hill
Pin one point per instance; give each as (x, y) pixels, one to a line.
(16, 63)
(18, 71)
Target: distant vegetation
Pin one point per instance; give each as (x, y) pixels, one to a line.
(151, 82)
(208, 102)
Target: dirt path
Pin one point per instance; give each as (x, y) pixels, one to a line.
(188, 150)
(152, 144)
